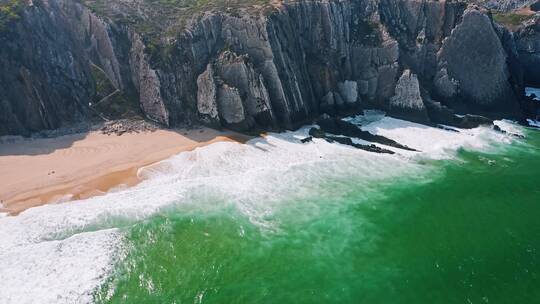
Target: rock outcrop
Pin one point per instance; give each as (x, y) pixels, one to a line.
(528, 46)
(477, 64)
(407, 103)
(259, 68)
(44, 76)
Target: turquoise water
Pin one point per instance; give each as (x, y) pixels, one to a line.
(465, 230)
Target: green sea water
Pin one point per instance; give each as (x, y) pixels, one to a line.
(466, 231)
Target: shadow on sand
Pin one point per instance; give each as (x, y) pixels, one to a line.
(16, 145)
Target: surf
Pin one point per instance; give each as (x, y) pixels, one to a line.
(84, 240)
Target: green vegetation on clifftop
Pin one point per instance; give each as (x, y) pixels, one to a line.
(9, 12)
(159, 22)
(511, 20)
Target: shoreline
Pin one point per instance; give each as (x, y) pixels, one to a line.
(35, 172)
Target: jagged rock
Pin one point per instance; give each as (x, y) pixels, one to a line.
(230, 105)
(472, 121)
(275, 68)
(443, 115)
(407, 102)
(478, 63)
(328, 103)
(420, 27)
(45, 81)
(498, 129)
(316, 133)
(231, 88)
(148, 83)
(445, 86)
(347, 141)
(237, 71)
(307, 139)
(319, 133)
(348, 91)
(339, 127)
(207, 97)
(528, 46)
(446, 128)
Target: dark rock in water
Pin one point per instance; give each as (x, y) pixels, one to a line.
(317, 133)
(339, 127)
(441, 114)
(347, 141)
(447, 128)
(473, 121)
(498, 129)
(307, 139)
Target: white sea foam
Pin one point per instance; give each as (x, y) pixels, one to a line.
(433, 142)
(530, 90)
(510, 126)
(64, 271)
(61, 253)
(533, 123)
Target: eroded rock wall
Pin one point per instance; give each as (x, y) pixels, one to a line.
(275, 70)
(44, 76)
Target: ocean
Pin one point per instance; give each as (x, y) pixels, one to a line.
(278, 221)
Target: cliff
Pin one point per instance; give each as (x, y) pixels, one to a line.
(256, 65)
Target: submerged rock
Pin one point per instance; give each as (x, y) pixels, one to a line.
(307, 139)
(319, 133)
(339, 127)
(498, 129)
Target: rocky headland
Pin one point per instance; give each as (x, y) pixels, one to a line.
(262, 65)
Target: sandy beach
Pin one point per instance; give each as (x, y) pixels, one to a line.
(34, 172)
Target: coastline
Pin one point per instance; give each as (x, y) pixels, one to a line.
(35, 172)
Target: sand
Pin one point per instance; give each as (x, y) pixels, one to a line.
(34, 172)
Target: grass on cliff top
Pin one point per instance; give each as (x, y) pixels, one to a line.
(511, 20)
(9, 12)
(156, 18)
(160, 21)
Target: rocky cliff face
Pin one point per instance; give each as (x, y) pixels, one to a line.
(478, 66)
(528, 46)
(44, 77)
(257, 67)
